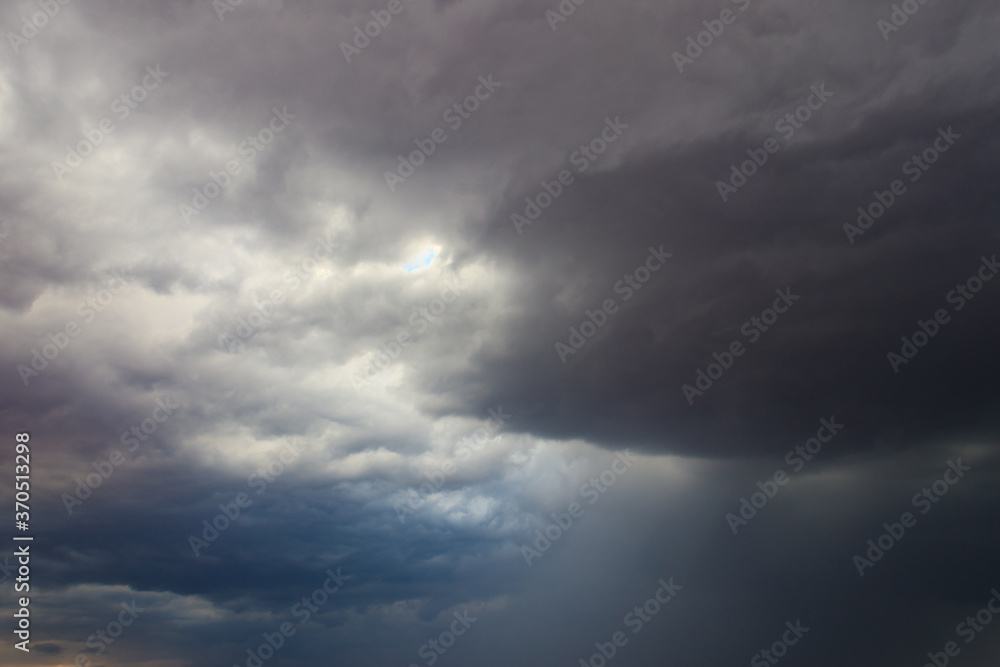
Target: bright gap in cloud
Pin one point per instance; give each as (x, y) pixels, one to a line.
(423, 260)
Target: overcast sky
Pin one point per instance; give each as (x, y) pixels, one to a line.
(514, 332)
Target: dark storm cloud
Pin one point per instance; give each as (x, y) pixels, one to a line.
(785, 228)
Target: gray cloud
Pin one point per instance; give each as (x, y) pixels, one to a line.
(275, 318)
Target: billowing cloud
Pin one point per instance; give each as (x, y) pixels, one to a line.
(478, 333)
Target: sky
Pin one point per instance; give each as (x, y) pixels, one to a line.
(454, 332)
